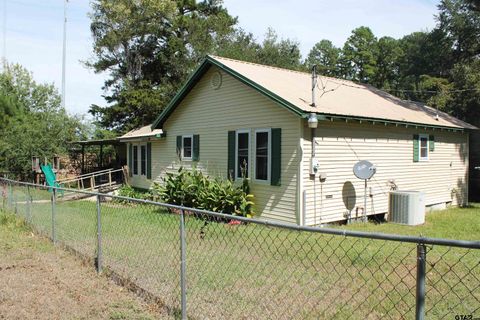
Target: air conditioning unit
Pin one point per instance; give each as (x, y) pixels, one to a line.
(407, 207)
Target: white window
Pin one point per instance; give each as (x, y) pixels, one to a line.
(423, 147)
(242, 151)
(187, 147)
(139, 160)
(262, 154)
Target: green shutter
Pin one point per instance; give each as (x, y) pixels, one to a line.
(149, 160)
(130, 159)
(431, 143)
(416, 148)
(231, 155)
(179, 146)
(196, 147)
(276, 166)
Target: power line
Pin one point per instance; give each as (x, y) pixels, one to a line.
(363, 86)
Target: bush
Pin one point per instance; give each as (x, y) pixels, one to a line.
(191, 188)
(131, 192)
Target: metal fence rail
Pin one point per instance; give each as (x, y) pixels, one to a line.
(198, 264)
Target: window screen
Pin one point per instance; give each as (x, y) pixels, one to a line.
(187, 147)
(261, 156)
(242, 154)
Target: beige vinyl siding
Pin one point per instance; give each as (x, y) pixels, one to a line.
(211, 114)
(340, 145)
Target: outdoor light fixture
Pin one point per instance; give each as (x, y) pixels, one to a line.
(312, 121)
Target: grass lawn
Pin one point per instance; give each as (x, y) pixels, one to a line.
(452, 223)
(252, 271)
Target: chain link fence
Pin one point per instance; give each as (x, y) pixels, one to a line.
(204, 265)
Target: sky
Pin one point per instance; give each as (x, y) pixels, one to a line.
(34, 32)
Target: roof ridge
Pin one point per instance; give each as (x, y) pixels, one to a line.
(288, 70)
(258, 64)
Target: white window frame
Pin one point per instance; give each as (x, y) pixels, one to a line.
(420, 137)
(191, 154)
(139, 160)
(249, 171)
(269, 155)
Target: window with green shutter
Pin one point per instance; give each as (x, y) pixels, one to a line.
(422, 145)
(188, 147)
(431, 143)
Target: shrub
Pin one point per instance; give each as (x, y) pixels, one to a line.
(131, 192)
(191, 188)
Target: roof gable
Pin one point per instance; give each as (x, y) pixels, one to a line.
(198, 74)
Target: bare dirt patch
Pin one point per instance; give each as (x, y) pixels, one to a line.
(39, 281)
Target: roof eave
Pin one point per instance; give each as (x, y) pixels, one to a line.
(331, 117)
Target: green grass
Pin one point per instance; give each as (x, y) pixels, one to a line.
(249, 271)
(452, 223)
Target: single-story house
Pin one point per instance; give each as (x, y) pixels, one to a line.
(232, 112)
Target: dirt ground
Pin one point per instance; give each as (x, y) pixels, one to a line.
(39, 281)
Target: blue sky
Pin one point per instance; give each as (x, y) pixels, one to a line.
(34, 32)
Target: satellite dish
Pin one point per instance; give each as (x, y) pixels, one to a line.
(364, 170)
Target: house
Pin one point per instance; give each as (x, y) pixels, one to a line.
(231, 112)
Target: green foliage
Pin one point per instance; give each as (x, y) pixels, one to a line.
(131, 192)
(149, 47)
(358, 58)
(191, 188)
(33, 122)
(326, 57)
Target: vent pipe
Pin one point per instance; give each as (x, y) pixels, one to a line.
(314, 84)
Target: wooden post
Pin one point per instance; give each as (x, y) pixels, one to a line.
(83, 159)
(101, 157)
(110, 178)
(92, 182)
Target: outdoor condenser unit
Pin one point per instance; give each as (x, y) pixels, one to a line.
(407, 207)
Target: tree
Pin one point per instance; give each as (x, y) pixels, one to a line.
(325, 56)
(36, 124)
(283, 53)
(358, 55)
(387, 56)
(148, 47)
(460, 20)
(239, 45)
(466, 97)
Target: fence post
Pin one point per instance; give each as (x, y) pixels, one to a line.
(183, 283)
(421, 272)
(28, 205)
(16, 204)
(9, 197)
(99, 236)
(54, 196)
